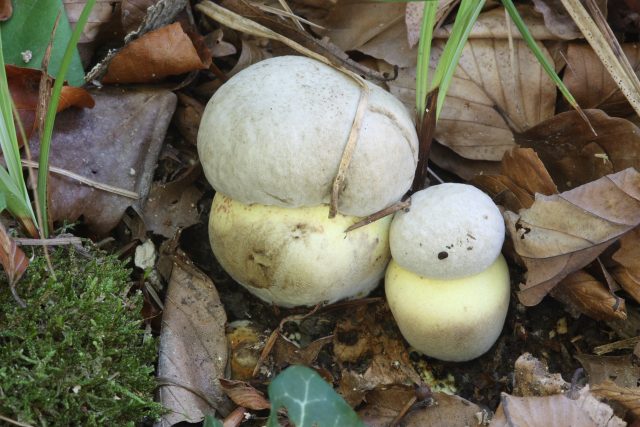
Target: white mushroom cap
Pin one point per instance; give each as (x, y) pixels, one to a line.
(293, 257)
(454, 320)
(274, 134)
(450, 231)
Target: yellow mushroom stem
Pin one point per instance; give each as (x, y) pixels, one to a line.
(453, 320)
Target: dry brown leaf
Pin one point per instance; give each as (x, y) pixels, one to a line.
(133, 13)
(6, 10)
(24, 87)
(589, 296)
(532, 378)
(173, 205)
(384, 404)
(286, 353)
(351, 24)
(523, 175)
(562, 233)
(591, 84)
(627, 273)
(601, 413)
(243, 394)
(492, 25)
(574, 156)
(167, 51)
(193, 347)
(448, 411)
(116, 143)
(187, 117)
(413, 18)
(466, 169)
(13, 260)
(217, 45)
(250, 54)
(368, 336)
(526, 170)
(619, 369)
(102, 13)
(557, 20)
(488, 99)
(548, 411)
(628, 397)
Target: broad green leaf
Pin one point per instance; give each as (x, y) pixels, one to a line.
(309, 400)
(30, 28)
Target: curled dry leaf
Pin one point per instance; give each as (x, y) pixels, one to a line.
(574, 156)
(628, 397)
(489, 98)
(193, 347)
(562, 233)
(24, 87)
(590, 82)
(167, 51)
(13, 260)
(589, 296)
(549, 411)
(243, 394)
(522, 176)
(627, 273)
(117, 143)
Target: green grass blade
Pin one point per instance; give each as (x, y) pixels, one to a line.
(465, 19)
(546, 65)
(424, 57)
(47, 132)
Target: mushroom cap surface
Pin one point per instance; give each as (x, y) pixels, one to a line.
(453, 320)
(291, 257)
(274, 134)
(450, 230)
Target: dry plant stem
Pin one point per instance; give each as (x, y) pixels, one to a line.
(270, 9)
(14, 422)
(239, 23)
(293, 17)
(425, 136)
(46, 82)
(617, 345)
(56, 241)
(407, 406)
(626, 83)
(86, 181)
(380, 214)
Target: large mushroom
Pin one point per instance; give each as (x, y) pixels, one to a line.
(448, 285)
(270, 142)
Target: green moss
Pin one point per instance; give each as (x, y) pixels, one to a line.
(76, 355)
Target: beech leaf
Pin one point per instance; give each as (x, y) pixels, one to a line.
(562, 233)
(243, 394)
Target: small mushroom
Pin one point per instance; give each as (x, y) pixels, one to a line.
(448, 285)
(270, 143)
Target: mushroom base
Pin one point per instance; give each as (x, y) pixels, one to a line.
(452, 320)
(292, 257)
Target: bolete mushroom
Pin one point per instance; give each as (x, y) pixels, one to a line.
(448, 285)
(270, 141)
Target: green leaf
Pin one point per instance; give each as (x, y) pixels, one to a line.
(309, 400)
(546, 65)
(3, 202)
(29, 29)
(210, 421)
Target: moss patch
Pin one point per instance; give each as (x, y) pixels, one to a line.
(76, 355)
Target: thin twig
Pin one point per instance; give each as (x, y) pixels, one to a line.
(380, 214)
(293, 17)
(14, 422)
(275, 11)
(56, 241)
(83, 180)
